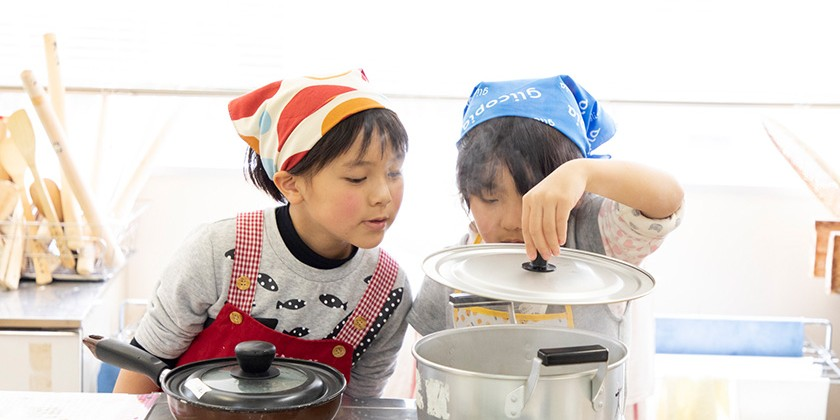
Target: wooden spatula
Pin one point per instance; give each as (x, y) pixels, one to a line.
(20, 129)
(15, 166)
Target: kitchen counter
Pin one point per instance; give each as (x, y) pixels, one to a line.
(351, 409)
(80, 406)
(58, 305)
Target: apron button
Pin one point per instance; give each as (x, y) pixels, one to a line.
(243, 283)
(339, 351)
(359, 323)
(236, 318)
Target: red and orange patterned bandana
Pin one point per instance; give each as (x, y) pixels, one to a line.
(283, 120)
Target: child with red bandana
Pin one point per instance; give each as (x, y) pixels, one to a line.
(307, 275)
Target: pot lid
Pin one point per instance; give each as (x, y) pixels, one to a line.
(255, 380)
(503, 272)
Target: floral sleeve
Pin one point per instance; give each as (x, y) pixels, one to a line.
(630, 236)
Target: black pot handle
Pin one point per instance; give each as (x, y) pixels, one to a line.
(125, 356)
(573, 355)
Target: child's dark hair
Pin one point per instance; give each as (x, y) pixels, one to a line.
(334, 143)
(529, 149)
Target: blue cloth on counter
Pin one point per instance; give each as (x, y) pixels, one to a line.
(730, 336)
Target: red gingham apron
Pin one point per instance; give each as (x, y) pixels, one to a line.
(234, 323)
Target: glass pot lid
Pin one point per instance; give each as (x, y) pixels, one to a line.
(255, 380)
(503, 272)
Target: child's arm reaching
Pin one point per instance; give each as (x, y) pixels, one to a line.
(546, 207)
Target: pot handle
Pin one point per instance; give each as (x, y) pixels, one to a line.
(595, 353)
(125, 356)
(573, 355)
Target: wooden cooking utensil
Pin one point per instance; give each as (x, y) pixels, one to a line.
(23, 136)
(69, 206)
(15, 166)
(74, 226)
(8, 198)
(3, 174)
(114, 256)
(54, 195)
(13, 253)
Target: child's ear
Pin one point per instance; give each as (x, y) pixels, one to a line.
(288, 185)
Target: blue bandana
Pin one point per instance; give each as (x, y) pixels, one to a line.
(557, 101)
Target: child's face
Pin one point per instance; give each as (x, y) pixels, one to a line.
(353, 200)
(498, 213)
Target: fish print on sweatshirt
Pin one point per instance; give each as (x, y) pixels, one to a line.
(297, 332)
(230, 253)
(388, 309)
(267, 282)
(332, 301)
(293, 304)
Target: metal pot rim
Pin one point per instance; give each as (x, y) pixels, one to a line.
(488, 328)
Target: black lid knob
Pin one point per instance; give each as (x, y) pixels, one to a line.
(255, 359)
(539, 265)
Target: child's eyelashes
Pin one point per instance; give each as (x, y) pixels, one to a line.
(359, 180)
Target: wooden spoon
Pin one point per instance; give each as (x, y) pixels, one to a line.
(54, 195)
(15, 166)
(24, 138)
(85, 257)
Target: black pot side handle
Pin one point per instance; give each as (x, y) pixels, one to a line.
(593, 353)
(125, 356)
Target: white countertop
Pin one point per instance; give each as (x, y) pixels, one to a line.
(58, 305)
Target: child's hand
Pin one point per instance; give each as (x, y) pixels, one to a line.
(546, 208)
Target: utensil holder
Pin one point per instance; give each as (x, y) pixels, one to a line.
(95, 247)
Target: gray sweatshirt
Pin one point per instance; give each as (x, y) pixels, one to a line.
(292, 295)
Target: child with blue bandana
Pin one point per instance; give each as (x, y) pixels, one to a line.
(527, 173)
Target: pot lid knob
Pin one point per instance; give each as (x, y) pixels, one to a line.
(539, 265)
(255, 360)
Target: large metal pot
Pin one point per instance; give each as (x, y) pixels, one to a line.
(253, 385)
(514, 371)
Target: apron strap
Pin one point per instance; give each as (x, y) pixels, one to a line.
(246, 260)
(370, 305)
